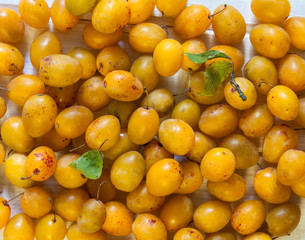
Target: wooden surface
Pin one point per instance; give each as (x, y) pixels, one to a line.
(175, 84)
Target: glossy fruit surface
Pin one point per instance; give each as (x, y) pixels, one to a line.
(148, 227)
(59, 70)
(161, 99)
(245, 151)
(221, 236)
(283, 103)
(248, 217)
(118, 219)
(2, 153)
(268, 187)
(36, 202)
(291, 167)
(278, 140)
(41, 163)
(68, 203)
(24, 86)
(74, 233)
(176, 136)
(300, 119)
(219, 120)
(270, 40)
(3, 107)
(212, 216)
(67, 176)
(102, 128)
(256, 121)
(295, 26)
(144, 37)
(14, 62)
(164, 177)
(283, 219)
(98, 40)
(140, 10)
(271, 11)
(192, 178)
(218, 164)
(141, 200)
(62, 19)
(14, 168)
(123, 145)
(50, 227)
(92, 95)
(291, 72)
(20, 227)
(80, 7)
(91, 216)
(123, 86)
(188, 234)
(122, 110)
(201, 146)
(12, 26)
(230, 190)
(298, 188)
(52, 140)
(38, 114)
(192, 21)
(229, 26)
(153, 152)
(35, 13)
(258, 236)
(86, 59)
(259, 69)
(177, 212)
(73, 121)
(188, 111)
(112, 58)
(171, 8)
(127, 171)
(5, 212)
(14, 135)
(168, 57)
(143, 125)
(44, 45)
(108, 17)
(144, 69)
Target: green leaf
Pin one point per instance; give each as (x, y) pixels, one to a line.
(208, 55)
(90, 164)
(214, 75)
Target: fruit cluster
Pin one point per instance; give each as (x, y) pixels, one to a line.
(130, 156)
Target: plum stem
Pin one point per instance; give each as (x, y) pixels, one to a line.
(4, 89)
(35, 172)
(260, 84)
(163, 24)
(224, 7)
(189, 83)
(15, 197)
(235, 85)
(102, 144)
(76, 148)
(296, 52)
(98, 189)
(260, 166)
(53, 210)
